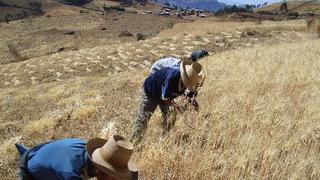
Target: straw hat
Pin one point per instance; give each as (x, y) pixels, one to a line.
(113, 156)
(192, 74)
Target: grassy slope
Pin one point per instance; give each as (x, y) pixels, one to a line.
(75, 108)
(294, 6)
(259, 117)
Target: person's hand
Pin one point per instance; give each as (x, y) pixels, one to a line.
(192, 94)
(194, 103)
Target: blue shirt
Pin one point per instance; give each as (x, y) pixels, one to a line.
(164, 84)
(62, 159)
(164, 63)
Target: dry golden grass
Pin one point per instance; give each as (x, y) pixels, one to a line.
(259, 120)
(84, 112)
(39, 126)
(300, 6)
(81, 107)
(203, 26)
(62, 12)
(259, 117)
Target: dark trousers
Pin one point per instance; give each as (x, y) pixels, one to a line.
(147, 107)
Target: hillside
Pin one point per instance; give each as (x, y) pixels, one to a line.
(16, 9)
(259, 104)
(295, 6)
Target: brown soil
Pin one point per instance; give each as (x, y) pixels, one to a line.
(45, 35)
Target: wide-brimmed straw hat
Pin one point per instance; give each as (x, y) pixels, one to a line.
(113, 157)
(192, 74)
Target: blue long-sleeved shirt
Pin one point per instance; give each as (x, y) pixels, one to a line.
(62, 159)
(163, 84)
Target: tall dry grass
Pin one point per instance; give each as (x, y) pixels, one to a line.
(259, 120)
(82, 107)
(259, 117)
(202, 26)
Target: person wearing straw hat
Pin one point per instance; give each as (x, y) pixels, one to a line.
(75, 159)
(161, 88)
(175, 62)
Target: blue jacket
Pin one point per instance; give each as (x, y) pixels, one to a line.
(62, 159)
(164, 84)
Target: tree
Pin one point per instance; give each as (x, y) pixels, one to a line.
(235, 8)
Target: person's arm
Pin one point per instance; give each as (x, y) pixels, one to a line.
(191, 96)
(165, 94)
(166, 90)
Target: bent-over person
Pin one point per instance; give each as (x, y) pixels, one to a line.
(161, 88)
(75, 159)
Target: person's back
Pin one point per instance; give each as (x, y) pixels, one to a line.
(164, 63)
(62, 159)
(173, 62)
(164, 84)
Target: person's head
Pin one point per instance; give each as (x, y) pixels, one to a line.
(192, 74)
(111, 159)
(199, 54)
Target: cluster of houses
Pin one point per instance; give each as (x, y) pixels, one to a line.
(174, 11)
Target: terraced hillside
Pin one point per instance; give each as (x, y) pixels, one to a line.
(258, 107)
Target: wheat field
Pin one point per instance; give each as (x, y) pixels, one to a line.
(259, 117)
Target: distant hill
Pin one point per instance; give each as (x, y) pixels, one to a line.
(19, 9)
(212, 5)
(15, 9)
(295, 6)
